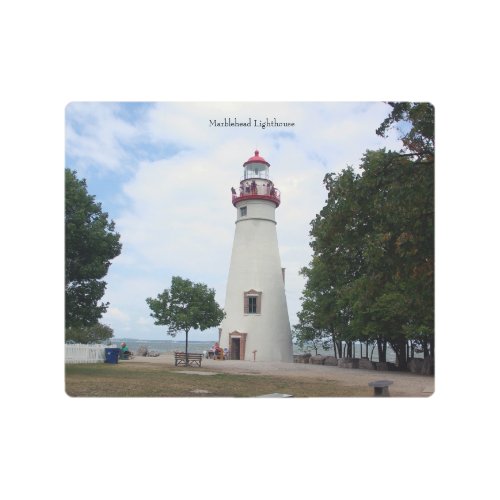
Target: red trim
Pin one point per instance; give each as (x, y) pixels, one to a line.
(256, 159)
(275, 199)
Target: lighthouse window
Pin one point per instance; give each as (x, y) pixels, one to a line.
(243, 211)
(252, 301)
(252, 305)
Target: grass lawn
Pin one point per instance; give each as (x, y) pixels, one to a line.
(143, 380)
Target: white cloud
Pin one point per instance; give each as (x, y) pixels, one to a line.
(116, 314)
(178, 218)
(97, 136)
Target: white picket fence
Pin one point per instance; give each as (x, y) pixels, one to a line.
(84, 353)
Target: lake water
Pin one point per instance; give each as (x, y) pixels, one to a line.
(168, 345)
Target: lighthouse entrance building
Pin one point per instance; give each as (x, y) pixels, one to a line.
(256, 324)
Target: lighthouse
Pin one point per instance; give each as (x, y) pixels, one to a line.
(256, 326)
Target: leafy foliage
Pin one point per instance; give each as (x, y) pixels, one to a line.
(89, 334)
(91, 244)
(185, 306)
(308, 334)
(372, 273)
(416, 126)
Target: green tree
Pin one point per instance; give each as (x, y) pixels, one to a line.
(320, 318)
(399, 253)
(91, 244)
(337, 259)
(89, 334)
(415, 123)
(372, 273)
(308, 333)
(185, 306)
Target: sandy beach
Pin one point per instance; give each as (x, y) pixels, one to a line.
(404, 384)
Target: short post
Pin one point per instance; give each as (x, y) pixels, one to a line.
(254, 353)
(381, 388)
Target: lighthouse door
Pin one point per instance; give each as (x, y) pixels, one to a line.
(235, 348)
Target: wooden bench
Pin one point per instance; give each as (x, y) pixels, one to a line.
(381, 387)
(193, 359)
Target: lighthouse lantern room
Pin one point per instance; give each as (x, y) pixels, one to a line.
(256, 326)
(255, 183)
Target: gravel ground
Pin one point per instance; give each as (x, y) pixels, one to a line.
(404, 384)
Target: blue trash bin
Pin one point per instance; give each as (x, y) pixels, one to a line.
(111, 355)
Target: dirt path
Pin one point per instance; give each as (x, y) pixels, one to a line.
(404, 384)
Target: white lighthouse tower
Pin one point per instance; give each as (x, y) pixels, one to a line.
(256, 324)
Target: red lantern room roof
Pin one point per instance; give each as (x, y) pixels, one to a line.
(256, 159)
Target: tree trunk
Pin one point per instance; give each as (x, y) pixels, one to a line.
(428, 349)
(400, 347)
(187, 331)
(382, 349)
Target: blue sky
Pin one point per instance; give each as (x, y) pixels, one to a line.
(164, 175)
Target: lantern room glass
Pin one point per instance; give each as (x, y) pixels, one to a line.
(256, 171)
